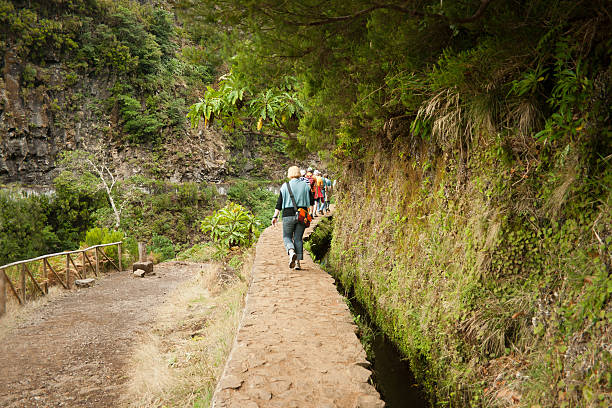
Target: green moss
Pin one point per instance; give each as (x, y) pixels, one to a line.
(469, 273)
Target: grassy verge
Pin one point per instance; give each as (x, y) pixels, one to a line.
(179, 362)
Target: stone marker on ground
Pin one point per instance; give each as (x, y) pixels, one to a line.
(139, 273)
(84, 283)
(146, 266)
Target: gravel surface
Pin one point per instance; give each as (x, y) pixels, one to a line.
(73, 350)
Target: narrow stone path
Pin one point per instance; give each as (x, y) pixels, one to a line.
(296, 345)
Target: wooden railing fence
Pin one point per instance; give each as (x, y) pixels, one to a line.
(19, 290)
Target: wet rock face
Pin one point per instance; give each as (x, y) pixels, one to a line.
(54, 110)
(33, 128)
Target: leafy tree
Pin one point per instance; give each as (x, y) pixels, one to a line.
(24, 232)
(90, 173)
(386, 70)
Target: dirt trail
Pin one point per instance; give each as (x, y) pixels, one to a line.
(72, 351)
(296, 346)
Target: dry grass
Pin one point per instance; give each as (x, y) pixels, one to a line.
(558, 197)
(179, 363)
(16, 313)
(449, 123)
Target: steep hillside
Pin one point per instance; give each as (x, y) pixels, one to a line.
(117, 78)
(492, 275)
(88, 85)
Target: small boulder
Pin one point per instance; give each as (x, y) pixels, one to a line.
(231, 381)
(84, 283)
(139, 273)
(146, 266)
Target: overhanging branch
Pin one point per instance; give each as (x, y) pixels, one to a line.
(415, 13)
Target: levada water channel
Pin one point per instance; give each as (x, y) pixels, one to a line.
(392, 375)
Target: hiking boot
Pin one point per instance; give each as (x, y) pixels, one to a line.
(298, 267)
(292, 258)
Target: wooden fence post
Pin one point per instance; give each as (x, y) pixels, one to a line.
(46, 275)
(23, 283)
(83, 263)
(68, 271)
(2, 294)
(97, 262)
(119, 255)
(142, 250)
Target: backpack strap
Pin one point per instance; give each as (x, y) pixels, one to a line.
(292, 197)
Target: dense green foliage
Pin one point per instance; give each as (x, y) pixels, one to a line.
(417, 70)
(162, 246)
(134, 45)
(231, 226)
(39, 224)
(165, 215)
(32, 225)
(255, 197)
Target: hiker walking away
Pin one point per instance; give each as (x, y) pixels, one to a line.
(318, 192)
(323, 194)
(303, 176)
(311, 182)
(328, 191)
(293, 231)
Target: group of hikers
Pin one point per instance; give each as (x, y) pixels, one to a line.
(305, 195)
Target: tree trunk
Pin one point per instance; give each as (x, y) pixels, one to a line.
(115, 211)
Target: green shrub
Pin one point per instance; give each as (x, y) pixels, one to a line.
(162, 246)
(188, 193)
(256, 198)
(197, 253)
(162, 28)
(232, 225)
(236, 262)
(140, 126)
(28, 76)
(95, 236)
(99, 236)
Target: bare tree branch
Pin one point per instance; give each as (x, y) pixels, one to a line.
(415, 13)
(278, 136)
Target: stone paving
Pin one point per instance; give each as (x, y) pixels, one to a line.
(296, 344)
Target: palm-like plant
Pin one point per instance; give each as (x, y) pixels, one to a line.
(232, 225)
(273, 106)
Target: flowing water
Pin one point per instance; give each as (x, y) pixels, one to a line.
(392, 375)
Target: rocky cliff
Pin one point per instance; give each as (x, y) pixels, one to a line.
(116, 79)
(39, 120)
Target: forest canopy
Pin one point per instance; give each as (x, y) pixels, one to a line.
(451, 72)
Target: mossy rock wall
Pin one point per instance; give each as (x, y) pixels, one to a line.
(489, 271)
